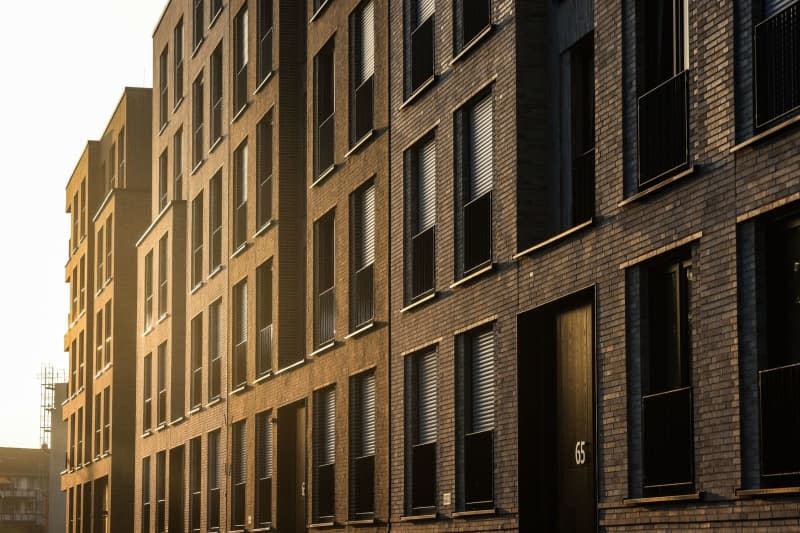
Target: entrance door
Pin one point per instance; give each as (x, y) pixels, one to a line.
(292, 468)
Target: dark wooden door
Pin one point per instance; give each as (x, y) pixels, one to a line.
(292, 486)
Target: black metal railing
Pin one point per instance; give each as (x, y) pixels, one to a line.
(422, 266)
(422, 53)
(667, 442)
(477, 232)
(364, 485)
(363, 301)
(479, 470)
(583, 187)
(664, 129)
(324, 323)
(325, 144)
(240, 364)
(264, 355)
(777, 65)
(363, 108)
(779, 394)
(265, 55)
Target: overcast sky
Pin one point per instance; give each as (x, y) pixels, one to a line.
(64, 67)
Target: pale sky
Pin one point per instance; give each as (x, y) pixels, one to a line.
(64, 66)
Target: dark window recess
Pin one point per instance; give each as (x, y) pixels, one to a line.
(323, 109)
(324, 274)
(362, 233)
(176, 489)
(240, 56)
(194, 485)
(214, 352)
(667, 427)
(162, 384)
(663, 102)
(178, 63)
(214, 464)
(145, 495)
(324, 454)
(196, 386)
(421, 420)
(197, 240)
(161, 492)
(197, 120)
(216, 95)
(472, 17)
(147, 394)
(197, 23)
(177, 164)
(777, 64)
(581, 57)
(264, 319)
(162, 86)
(264, 171)
(362, 446)
(362, 26)
(215, 223)
(216, 7)
(422, 44)
(163, 179)
(421, 162)
(240, 196)
(263, 470)
(238, 476)
(239, 334)
(264, 39)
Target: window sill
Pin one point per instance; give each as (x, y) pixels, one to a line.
(214, 272)
(691, 497)
(767, 133)
(321, 525)
(146, 434)
(105, 454)
(215, 17)
(177, 104)
(322, 349)
(147, 331)
(162, 318)
(197, 46)
(363, 329)
(474, 275)
(263, 229)
(196, 288)
(239, 250)
(419, 517)
(177, 421)
(419, 303)
(260, 529)
(81, 315)
(196, 409)
(471, 514)
(650, 190)
(360, 143)
(316, 15)
(260, 86)
(214, 145)
(361, 522)
(324, 175)
(161, 427)
(213, 402)
(418, 91)
(163, 127)
(298, 364)
(472, 44)
(240, 112)
(196, 167)
(264, 377)
(556, 238)
(776, 491)
(238, 390)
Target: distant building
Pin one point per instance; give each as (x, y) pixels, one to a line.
(23, 490)
(56, 501)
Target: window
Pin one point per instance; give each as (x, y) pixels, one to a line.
(472, 18)
(214, 352)
(177, 164)
(323, 110)
(263, 470)
(162, 85)
(240, 55)
(775, 63)
(73, 283)
(73, 352)
(98, 424)
(362, 246)
(474, 152)
(324, 284)
(264, 39)
(216, 95)
(197, 240)
(71, 512)
(215, 223)
(81, 360)
(107, 420)
(78, 508)
(176, 489)
(178, 63)
(109, 247)
(162, 180)
(112, 166)
(419, 44)
(100, 258)
(420, 163)
(161, 492)
(216, 7)
(121, 157)
(197, 362)
(240, 334)
(82, 282)
(147, 393)
(83, 201)
(146, 495)
(662, 63)
(162, 277)
(324, 454)
(162, 384)
(177, 384)
(214, 465)
(148, 291)
(98, 343)
(476, 417)
(75, 223)
(362, 29)
(264, 318)
(197, 23)
(194, 485)
(72, 437)
(264, 171)
(421, 432)
(108, 331)
(79, 439)
(197, 120)
(238, 475)
(240, 196)
(362, 446)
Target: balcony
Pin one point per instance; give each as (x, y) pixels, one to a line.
(777, 66)
(664, 129)
(779, 395)
(422, 268)
(324, 320)
(477, 232)
(667, 442)
(363, 302)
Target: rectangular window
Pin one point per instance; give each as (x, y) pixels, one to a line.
(215, 223)
(216, 7)
(472, 18)
(264, 171)
(324, 110)
(108, 333)
(420, 163)
(214, 467)
(194, 485)
(71, 511)
(177, 384)
(176, 489)
(161, 492)
(240, 196)
(197, 120)
(197, 362)
(324, 284)
(75, 223)
(163, 261)
(474, 151)
(177, 164)
(162, 384)
(107, 420)
(79, 439)
(109, 247)
(73, 283)
(81, 360)
(148, 291)
(477, 420)
(100, 258)
(146, 495)
(362, 446)
(72, 437)
(83, 201)
(240, 334)
(178, 63)
(112, 166)
(421, 432)
(163, 179)
(214, 351)
(420, 49)
(98, 424)
(198, 28)
(263, 470)
(264, 318)
(264, 39)
(147, 393)
(238, 475)
(775, 63)
(78, 508)
(324, 454)
(216, 95)
(362, 246)
(82, 282)
(162, 86)
(240, 56)
(197, 240)
(98, 342)
(121, 157)
(73, 353)
(362, 29)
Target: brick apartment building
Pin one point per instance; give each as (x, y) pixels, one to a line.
(24, 490)
(108, 199)
(485, 265)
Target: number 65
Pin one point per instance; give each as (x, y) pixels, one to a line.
(580, 452)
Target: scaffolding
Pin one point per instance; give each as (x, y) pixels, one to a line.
(49, 376)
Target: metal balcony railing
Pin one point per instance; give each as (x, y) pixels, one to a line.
(325, 144)
(667, 442)
(664, 129)
(422, 267)
(363, 308)
(779, 394)
(777, 65)
(477, 232)
(583, 187)
(264, 355)
(325, 313)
